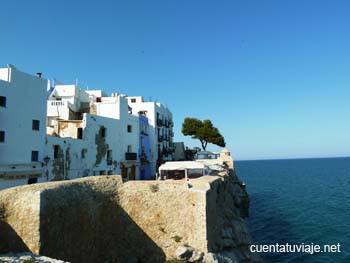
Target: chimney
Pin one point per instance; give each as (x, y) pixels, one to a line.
(38, 74)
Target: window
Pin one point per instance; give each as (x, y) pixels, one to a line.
(129, 148)
(83, 153)
(133, 100)
(2, 136)
(80, 133)
(56, 149)
(129, 128)
(35, 125)
(35, 156)
(109, 157)
(2, 101)
(103, 132)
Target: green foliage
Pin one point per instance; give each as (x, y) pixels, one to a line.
(203, 131)
(177, 238)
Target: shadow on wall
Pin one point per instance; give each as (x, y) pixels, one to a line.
(10, 241)
(81, 224)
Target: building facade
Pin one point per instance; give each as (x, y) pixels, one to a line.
(160, 129)
(22, 127)
(106, 134)
(54, 132)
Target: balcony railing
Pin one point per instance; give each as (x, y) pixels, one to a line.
(129, 156)
(57, 103)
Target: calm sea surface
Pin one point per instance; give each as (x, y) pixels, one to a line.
(299, 201)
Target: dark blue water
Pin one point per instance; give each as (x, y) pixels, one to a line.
(299, 201)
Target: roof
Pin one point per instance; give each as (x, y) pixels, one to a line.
(170, 166)
(205, 152)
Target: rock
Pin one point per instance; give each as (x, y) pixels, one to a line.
(211, 258)
(184, 253)
(196, 256)
(27, 257)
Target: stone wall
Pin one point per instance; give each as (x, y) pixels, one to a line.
(19, 219)
(102, 219)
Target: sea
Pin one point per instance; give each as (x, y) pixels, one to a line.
(304, 202)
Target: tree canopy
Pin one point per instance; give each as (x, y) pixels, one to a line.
(204, 131)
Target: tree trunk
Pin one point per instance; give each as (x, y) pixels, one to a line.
(204, 144)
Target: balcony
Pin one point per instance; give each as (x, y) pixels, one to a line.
(144, 133)
(161, 122)
(167, 151)
(56, 103)
(160, 138)
(129, 156)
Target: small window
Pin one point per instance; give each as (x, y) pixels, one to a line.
(83, 153)
(129, 148)
(56, 149)
(35, 125)
(103, 132)
(109, 155)
(98, 99)
(80, 133)
(133, 100)
(2, 136)
(35, 156)
(129, 128)
(2, 101)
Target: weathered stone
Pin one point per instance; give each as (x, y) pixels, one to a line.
(197, 256)
(184, 253)
(27, 257)
(102, 219)
(210, 258)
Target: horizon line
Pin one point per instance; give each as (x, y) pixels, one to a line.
(290, 158)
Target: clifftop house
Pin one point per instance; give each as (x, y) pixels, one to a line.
(22, 127)
(87, 132)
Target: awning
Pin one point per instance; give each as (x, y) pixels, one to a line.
(171, 166)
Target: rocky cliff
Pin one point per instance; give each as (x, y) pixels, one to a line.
(102, 219)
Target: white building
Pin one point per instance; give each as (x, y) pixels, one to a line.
(161, 128)
(57, 132)
(22, 127)
(103, 136)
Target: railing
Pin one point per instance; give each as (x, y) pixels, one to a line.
(57, 103)
(159, 122)
(129, 156)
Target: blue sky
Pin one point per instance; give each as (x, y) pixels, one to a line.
(273, 76)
